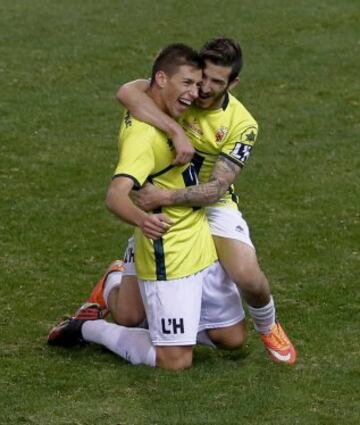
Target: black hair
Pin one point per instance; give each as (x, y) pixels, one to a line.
(225, 52)
(171, 57)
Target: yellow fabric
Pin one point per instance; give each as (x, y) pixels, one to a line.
(145, 154)
(230, 131)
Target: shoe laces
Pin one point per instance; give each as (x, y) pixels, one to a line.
(91, 312)
(278, 337)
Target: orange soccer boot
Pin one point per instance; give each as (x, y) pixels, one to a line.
(279, 346)
(97, 294)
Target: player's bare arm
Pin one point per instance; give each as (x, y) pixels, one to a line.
(134, 98)
(223, 175)
(118, 202)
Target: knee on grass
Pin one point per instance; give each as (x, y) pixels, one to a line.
(174, 358)
(231, 339)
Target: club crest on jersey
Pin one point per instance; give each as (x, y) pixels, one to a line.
(192, 126)
(221, 133)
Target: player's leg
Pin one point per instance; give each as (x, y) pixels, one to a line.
(174, 358)
(120, 292)
(234, 255)
(135, 345)
(116, 292)
(172, 325)
(132, 344)
(173, 313)
(125, 302)
(229, 338)
(238, 256)
(231, 232)
(240, 262)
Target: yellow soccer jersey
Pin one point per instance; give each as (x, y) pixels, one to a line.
(229, 131)
(145, 154)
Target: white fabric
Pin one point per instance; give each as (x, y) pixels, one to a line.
(132, 344)
(177, 309)
(228, 223)
(203, 339)
(221, 304)
(224, 222)
(129, 258)
(112, 281)
(173, 309)
(263, 317)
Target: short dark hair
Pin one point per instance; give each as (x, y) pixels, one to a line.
(171, 57)
(225, 52)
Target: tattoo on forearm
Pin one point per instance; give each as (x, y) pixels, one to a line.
(200, 195)
(224, 165)
(222, 176)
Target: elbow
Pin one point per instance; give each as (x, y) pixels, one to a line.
(121, 94)
(108, 204)
(109, 201)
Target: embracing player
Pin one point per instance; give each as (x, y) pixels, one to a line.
(185, 291)
(223, 134)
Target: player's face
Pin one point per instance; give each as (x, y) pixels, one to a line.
(181, 89)
(215, 83)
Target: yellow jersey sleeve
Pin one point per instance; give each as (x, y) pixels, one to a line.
(145, 153)
(230, 132)
(136, 154)
(240, 142)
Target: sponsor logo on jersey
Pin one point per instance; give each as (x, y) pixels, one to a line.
(221, 133)
(241, 152)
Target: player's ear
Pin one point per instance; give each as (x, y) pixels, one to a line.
(161, 79)
(234, 83)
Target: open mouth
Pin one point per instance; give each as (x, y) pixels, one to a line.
(184, 102)
(204, 96)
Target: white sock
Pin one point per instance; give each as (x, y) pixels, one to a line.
(132, 344)
(112, 281)
(202, 338)
(263, 317)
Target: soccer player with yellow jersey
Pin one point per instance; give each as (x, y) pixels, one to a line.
(222, 133)
(179, 277)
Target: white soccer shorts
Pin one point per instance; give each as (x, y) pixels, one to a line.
(129, 258)
(228, 223)
(221, 304)
(178, 309)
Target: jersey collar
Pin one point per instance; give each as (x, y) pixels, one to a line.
(225, 101)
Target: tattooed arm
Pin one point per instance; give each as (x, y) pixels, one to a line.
(223, 175)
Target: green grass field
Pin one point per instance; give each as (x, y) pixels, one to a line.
(61, 63)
